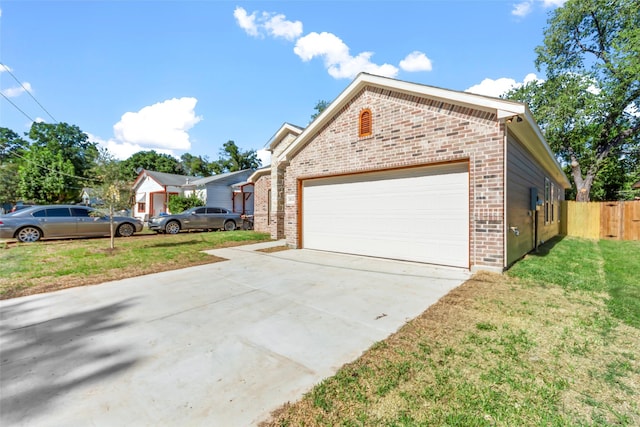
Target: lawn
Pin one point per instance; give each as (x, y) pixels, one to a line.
(554, 341)
(50, 265)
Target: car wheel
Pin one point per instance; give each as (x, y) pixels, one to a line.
(125, 230)
(229, 226)
(172, 227)
(29, 234)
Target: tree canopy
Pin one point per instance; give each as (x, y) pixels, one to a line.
(232, 159)
(150, 160)
(56, 163)
(320, 106)
(589, 105)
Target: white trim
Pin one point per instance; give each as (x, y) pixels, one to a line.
(285, 129)
(506, 108)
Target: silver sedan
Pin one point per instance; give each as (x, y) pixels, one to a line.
(62, 221)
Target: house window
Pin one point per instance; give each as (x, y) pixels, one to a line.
(553, 202)
(268, 207)
(142, 207)
(364, 124)
(547, 200)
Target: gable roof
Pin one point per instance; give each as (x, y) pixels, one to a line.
(163, 178)
(636, 185)
(234, 177)
(284, 130)
(525, 127)
(266, 170)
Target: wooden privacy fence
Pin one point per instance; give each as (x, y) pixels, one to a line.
(601, 220)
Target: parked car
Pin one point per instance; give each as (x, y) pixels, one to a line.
(18, 207)
(62, 221)
(198, 218)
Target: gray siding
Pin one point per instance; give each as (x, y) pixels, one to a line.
(523, 172)
(220, 196)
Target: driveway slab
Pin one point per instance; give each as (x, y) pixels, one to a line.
(217, 344)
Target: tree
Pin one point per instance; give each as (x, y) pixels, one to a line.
(321, 105)
(150, 160)
(589, 105)
(69, 141)
(47, 177)
(233, 159)
(195, 165)
(11, 154)
(56, 164)
(111, 186)
(12, 146)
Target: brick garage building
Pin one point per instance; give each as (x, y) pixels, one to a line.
(399, 170)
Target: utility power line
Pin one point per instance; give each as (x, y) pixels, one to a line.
(16, 107)
(27, 91)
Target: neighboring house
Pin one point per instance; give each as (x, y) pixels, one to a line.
(227, 190)
(405, 171)
(153, 189)
(89, 197)
(636, 185)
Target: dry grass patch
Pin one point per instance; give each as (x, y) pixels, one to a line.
(273, 249)
(27, 269)
(495, 351)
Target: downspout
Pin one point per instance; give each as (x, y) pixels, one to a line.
(505, 225)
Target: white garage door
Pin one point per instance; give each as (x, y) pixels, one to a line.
(417, 214)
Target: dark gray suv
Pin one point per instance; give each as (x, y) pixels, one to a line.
(198, 218)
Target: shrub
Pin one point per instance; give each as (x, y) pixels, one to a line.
(178, 204)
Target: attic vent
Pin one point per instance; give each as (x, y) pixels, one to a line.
(364, 128)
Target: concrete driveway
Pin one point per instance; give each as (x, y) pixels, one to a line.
(222, 344)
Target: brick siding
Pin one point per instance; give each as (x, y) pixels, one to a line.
(261, 204)
(408, 131)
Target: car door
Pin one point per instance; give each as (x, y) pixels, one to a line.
(215, 217)
(90, 222)
(197, 219)
(56, 222)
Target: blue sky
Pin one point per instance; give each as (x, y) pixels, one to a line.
(187, 76)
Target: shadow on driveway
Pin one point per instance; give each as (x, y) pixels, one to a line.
(42, 360)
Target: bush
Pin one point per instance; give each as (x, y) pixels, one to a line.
(178, 204)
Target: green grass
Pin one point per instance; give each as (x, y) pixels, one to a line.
(621, 267)
(50, 265)
(584, 265)
(553, 342)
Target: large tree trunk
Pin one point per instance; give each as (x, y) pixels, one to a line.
(583, 184)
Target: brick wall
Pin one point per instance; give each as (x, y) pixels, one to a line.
(261, 204)
(407, 131)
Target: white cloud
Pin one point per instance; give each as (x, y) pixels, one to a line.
(416, 61)
(525, 7)
(13, 92)
(336, 56)
(500, 86)
(522, 9)
(274, 25)
(278, 26)
(162, 127)
(246, 22)
(553, 3)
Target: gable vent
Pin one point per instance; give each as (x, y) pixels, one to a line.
(364, 128)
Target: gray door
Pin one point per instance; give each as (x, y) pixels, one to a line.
(88, 224)
(56, 222)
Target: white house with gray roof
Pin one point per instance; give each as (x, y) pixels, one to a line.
(227, 190)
